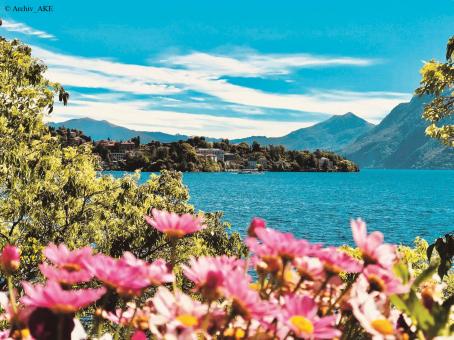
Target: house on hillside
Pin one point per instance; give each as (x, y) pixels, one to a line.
(325, 164)
(211, 153)
(251, 163)
(127, 146)
(117, 156)
(108, 144)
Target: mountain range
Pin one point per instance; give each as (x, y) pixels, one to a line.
(332, 134)
(397, 142)
(102, 129)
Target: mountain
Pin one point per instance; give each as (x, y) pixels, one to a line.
(399, 141)
(332, 134)
(102, 129)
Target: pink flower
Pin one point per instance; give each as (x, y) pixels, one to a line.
(10, 259)
(373, 250)
(60, 301)
(64, 276)
(336, 261)
(68, 266)
(173, 225)
(256, 223)
(372, 319)
(310, 268)
(208, 273)
(116, 274)
(157, 272)
(139, 335)
(64, 258)
(245, 301)
(299, 314)
(276, 243)
(381, 280)
(176, 314)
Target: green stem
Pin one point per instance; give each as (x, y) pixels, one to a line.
(173, 260)
(12, 296)
(340, 296)
(130, 321)
(117, 331)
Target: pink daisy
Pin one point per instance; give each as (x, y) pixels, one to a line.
(208, 273)
(368, 313)
(381, 280)
(310, 268)
(176, 314)
(68, 266)
(157, 272)
(336, 261)
(245, 301)
(373, 250)
(276, 243)
(55, 298)
(173, 225)
(299, 314)
(127, 280)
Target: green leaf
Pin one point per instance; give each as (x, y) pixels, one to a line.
(419, 312)
(401, 271)
(399, 303)
(426, 274)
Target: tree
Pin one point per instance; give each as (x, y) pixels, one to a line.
(53, 193)
(438, 81)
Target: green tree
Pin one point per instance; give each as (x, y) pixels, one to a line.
(438, 81)
(53, 193)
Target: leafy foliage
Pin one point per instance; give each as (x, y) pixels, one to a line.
(438, 81)
(54, 193)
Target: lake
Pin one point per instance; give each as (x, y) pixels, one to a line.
(402, 204)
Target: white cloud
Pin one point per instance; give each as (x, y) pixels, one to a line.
(256, 65)
(19, 27)
(208, 92)
(115, 76)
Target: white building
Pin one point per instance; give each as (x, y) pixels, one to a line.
(117, 156)
(210, 152)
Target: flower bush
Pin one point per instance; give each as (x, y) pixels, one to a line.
(288, 288)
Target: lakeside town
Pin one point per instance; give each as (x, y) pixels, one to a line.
(196, 154)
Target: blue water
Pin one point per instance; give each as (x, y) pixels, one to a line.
(402, 204)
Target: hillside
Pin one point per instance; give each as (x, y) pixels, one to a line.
(332, 134)
(102, 129)
(399, 142)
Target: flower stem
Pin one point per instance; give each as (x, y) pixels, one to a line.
(12, 296)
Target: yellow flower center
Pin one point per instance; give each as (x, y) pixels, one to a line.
(71, 267)
(63, 308)
(302, 324)
(237, 333)
(188, 320)
(174, 233)
(383, 326)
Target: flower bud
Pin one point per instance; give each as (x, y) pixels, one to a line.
(10, 259)
(256, 223)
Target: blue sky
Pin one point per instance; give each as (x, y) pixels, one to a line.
(232, 68)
